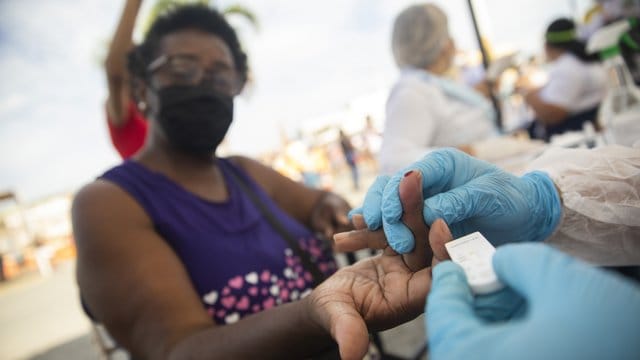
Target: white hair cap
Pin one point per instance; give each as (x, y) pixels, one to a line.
(419, 35)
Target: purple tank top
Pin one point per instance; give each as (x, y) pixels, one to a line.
(237, 262)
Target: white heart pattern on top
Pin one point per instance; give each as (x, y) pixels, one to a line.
(274, 290)
(252, 278)
(232, 318)
(211, 297)
(255, 291)
(288, 273)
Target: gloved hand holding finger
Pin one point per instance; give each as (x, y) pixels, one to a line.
(371, 208)
(410, 193)
(411, 199)
(441, 170)
(472, 195)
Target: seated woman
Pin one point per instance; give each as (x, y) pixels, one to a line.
(176, 242)
(425, 110)
(576, 86)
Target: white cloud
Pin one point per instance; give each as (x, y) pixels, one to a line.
(56, 138)
(12, 102)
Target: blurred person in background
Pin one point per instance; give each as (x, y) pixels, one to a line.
(576, 85)
(125, 107)
(370, 139)
(426, 110)
(350, 157)
(298, 157)
(176, 242)
(320, 160)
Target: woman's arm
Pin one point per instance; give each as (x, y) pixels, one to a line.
(554, 102)
(299, 201)
(116, 64)
(547, 113)
(600, 200)
(135, 284)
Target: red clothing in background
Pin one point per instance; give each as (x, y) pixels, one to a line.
(129, 137)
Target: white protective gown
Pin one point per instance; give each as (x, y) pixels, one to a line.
(600, 190)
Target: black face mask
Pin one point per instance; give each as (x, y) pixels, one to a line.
(195, 119)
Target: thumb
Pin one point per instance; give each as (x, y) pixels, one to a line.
(352, 336)
(450, 312)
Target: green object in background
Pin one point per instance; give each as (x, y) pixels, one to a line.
(162, 6)
(559, 37)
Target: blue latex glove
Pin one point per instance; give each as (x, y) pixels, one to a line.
(573, 311)
(470, 195)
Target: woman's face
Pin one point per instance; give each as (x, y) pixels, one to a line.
(193, 57)
(449, 52)
(551, 53)
(190, 90)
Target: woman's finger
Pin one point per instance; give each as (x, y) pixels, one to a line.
(359, 239)
(410, 192)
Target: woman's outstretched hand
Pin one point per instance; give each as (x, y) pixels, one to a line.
(379, 292)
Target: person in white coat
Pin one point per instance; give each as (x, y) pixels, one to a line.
(576, 86)
(425, 110)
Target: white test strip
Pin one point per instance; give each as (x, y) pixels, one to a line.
(474, 253)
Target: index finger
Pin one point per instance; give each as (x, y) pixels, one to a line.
(359, 239)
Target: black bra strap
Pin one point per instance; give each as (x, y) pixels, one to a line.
(307, 262)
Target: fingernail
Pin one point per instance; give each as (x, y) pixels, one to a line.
(340, 236)
(408, 173)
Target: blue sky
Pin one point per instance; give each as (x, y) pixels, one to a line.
(309, 59)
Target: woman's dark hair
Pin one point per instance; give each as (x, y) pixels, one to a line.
(193, 16)
(562, 34)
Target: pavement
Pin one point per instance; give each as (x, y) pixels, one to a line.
(41, 317)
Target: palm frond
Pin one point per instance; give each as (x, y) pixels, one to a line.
(162, 6)
(243, 12)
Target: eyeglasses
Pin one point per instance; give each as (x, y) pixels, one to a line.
(184, 69)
